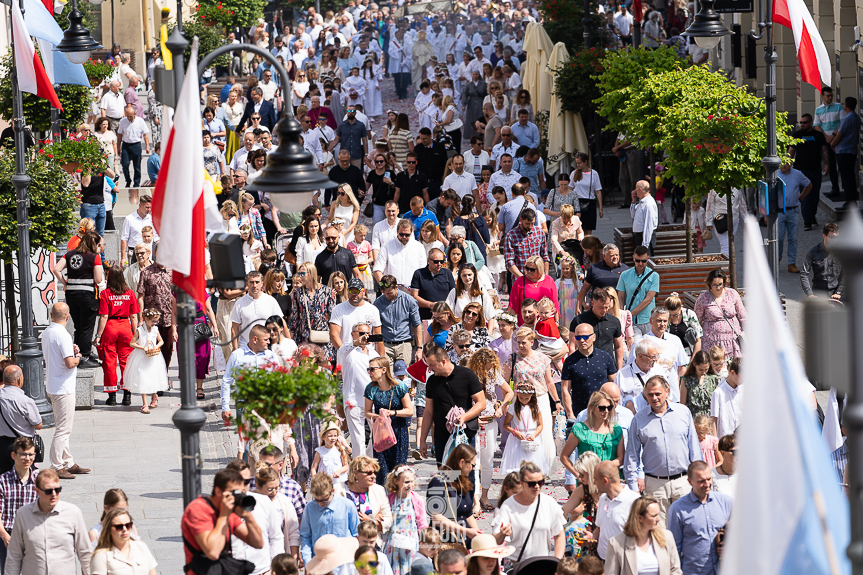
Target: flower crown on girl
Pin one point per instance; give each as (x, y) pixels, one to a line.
(525, 387)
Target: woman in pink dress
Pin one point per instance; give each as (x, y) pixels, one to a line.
(534, 284)
(721, 314)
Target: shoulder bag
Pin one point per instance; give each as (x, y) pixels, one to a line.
(224, 565)
(203, 331)
(526, 539)
(720, 224)
(737, 335)
(315, 336)
(489, 252)
(37, 440)
(584, 204)
(641, 283)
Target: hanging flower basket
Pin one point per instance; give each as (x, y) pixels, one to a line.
(719, 134)
(85, 157)
(71, 168)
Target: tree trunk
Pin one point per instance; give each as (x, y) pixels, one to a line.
(688, 220)
(732, 256)
(9, 276)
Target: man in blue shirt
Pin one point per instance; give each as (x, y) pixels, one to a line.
(255, 353)
(525, 132)
(844, 143)
(328, 515)
(637, 289)
(695, 519)
(154, 163)
(584, 371)
(788, 220)
(401, 325)
(226, 89)
(418, 215)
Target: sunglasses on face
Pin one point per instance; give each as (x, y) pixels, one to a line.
(331, 239)
(581, 337)
(301, 274)
(639, 261)
(56, 490)
(462, 346)
(373, 369)
(604, 408)
(470, 314)
(379, 161)
(364, 564)
(438, 262)
(256, 117)
(533, 484)
(410, 162)
(122, 526)
(356, 291)
(527, 269)
(407, 235)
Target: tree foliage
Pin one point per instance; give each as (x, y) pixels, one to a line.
(575, 81)
(209, 38)
(623, 72)
(37, 111)
(53, 204)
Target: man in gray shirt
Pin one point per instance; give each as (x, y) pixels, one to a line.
(401, 325)
(19, 415)
(48, 534)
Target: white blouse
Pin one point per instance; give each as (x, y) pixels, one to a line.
(139, 562)
(587, 187)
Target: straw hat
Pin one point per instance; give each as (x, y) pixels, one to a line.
(332, 552)
(485, 545)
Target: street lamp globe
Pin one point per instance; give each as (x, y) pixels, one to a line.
(77, 42)
(707, 28)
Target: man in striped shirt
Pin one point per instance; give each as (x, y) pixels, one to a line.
(827, 118)
(17, 488)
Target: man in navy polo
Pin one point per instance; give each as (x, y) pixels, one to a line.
(584, 371)
(432, 284)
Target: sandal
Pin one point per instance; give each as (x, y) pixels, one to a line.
(201, 395)
(155, 403)
(145, 410)
(487, 506)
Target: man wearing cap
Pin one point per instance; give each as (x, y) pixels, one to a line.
(356, 310)
(401, 325)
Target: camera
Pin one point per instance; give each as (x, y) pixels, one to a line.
(243, 501)
(376, 337)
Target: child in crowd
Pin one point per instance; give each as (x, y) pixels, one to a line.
(547, 332)
(510, 486)
(698, 224)
(148, 234)
(709, 442)
(567, 289)
(146, 372)
(409, 519)
(362, 251)
(252, 248)
(333, 456)
(229, 217)
(423, 560)
(114, 499)
(367, 534)
(567, 566)
(524, 423)
(284, 564)
(717, 361)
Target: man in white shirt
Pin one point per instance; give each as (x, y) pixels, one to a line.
(726, 403)
(385, 230)
(623, 25)
(354, 358)
(61, 371)
(645, 216)
(268, 87)
(112, 105)
(129, 135)
(312, 141)
(400, 257)
(671, 355)
(506, 177)
(506, 146)
(132, 226)
(252, 309)
(634, 375)
(463, 183)
(238, 162)
(613, 507)
(356, 310)
(478, 61)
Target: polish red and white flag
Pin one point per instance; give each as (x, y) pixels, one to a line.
(178, 199)
(32, 77)
(811, 53)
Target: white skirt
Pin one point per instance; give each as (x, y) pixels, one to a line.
(547, 436)
(495, 264)
(145, 374)
(514, 454)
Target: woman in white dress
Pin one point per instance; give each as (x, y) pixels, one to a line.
(371, 73)
(356, 88)
(422, 103)
(310, 244)
(345, 207)
(300, 90)
(588, 188)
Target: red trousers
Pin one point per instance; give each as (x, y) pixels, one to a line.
(116, 340)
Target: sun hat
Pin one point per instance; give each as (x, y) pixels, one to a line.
(332, 552)
(485, 545)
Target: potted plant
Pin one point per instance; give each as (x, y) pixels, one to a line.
(83, 157)
(279, 394)
(98, 72)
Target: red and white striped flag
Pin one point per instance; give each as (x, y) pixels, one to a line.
(811, 52)
(178, 200)
(31, 73)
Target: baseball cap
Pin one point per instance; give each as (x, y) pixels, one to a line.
(356, 283)
(400, 369)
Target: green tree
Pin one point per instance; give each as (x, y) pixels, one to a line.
(86, 10)
(209, 38)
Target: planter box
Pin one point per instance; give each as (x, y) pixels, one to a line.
(681, 277)
(670, 242)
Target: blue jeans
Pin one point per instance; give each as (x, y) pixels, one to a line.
(131, 153)
(96, 212)
(788, 223)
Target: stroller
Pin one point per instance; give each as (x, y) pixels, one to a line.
(280, 245)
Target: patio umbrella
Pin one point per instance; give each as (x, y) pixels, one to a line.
(537, 47)
(565, 130)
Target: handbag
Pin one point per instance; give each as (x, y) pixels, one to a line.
(489, 252)
(739, 336)
(382, 430)
(203, 331)
(720, 224)
(315, 336)
(224, 565)
(37, 440)
(706, 235)
(369, 210)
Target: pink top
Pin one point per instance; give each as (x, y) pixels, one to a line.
(708, 446)
(361, 252)
(523, 289)
(419, 508)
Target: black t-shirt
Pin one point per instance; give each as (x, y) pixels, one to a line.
(409, 187)
(606, 328)
(381, 192)
(431, 160)
(328, 262)
(453, 391)
(95, 192)
(808, 152)
(353, 176)
(432, 288)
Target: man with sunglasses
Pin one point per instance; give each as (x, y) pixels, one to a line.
(431, 284)
(17, 488)
(326, 514)
(356, 310)
(400, 257)
(531, 538)
(637, 289)
(345, 173)
(335, 258)
(401, 325)
(257, 106)
(48, 535)
(410, 184)
(354, 358)
(631, 379)
(609, 332)
(584, 371)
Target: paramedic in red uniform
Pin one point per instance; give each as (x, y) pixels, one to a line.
(118, 320)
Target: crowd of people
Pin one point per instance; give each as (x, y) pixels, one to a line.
(465, 293)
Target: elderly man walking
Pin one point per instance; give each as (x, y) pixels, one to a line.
(132, 130)
(20, 415)
(645, 216)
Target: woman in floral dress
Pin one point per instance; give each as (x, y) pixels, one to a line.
(154, 116)
(721, 314)
(311, 305)
(698, 384)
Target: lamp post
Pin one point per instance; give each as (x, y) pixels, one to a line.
(291, 177)
(77, 42)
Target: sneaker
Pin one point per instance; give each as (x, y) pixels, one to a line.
(807, 228)
(78, 470)
(63, 474)
(127, 397)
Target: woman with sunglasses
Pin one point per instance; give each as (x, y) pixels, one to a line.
(385, 396)
(534, 284)
(600, 433)
(116, 552)
(441, 325)
(371, 499)
(473, 322)
(347, 208)
(724, 474)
